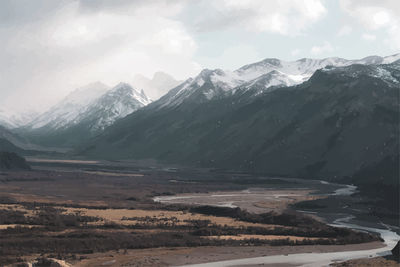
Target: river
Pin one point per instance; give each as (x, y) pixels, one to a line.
(389, 236)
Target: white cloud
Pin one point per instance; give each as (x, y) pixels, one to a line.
(344, 30)
(70, 48)
(369, 37)
(382, 16)
(286, 17)
(326, 47)
(235, 56)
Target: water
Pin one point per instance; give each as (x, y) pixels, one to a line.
(316, 259)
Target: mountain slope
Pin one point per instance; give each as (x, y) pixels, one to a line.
(340, 121)
(67, 111)
(83, 114)
(114, 104)
(21, 143)
(11, 161)
(267, 75)
(12, 119)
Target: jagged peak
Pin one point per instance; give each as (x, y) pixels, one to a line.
(122, 85)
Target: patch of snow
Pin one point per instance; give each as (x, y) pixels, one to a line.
(96, 103)
(391, 59)
(267, 74)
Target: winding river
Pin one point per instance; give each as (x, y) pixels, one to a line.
(389, 236)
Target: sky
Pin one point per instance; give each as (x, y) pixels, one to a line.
(49, 48)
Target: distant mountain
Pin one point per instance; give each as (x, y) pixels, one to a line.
(70, 108)
(265, 75)
(83, 114)
(5, 121)
(116, 103)
(13, 142)
(157, 86)
(13, 119)
(341, 121)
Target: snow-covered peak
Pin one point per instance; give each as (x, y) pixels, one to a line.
(208, 84)
(96, 103)
(116, 103)
(270, 81)
(265, 74)
(126, 90)
(381, 71)
(5, 120)
(300, 69)
(68, 109)
(391, 59)
(86, 94)
(12, 118)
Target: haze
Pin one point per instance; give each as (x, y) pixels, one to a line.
(49, 48)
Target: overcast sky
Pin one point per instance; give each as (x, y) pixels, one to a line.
(50, 47)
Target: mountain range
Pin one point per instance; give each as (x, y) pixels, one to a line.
(329, 118)
(341, 124)
(332, 119)
(265, 75)
(83, 113)
(339, 120)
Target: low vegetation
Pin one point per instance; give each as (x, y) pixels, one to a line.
(65, 233)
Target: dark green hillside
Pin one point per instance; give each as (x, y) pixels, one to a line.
(11, 161)
(6, 145)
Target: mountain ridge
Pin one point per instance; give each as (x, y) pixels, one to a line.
(84, 113)
(243, 132)
(280, 73)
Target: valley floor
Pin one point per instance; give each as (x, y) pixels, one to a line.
(91, 213)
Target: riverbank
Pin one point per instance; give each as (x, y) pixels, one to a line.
(200, 255)
(346, 220)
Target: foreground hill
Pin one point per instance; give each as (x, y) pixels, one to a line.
(342, 121)
(11, 161)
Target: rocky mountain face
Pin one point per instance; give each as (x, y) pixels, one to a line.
(70, 109)
(339, 123)
(262, 76)
(83, 114)
(113, 105)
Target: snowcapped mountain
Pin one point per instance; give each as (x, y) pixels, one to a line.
(13, 119)
(70, 108)
(157, 86)
(95, 103)
(262, 76)
(4, 120)
(342, 120)
(83, 113)
(205, 86)
(387, 73)
(116, 103)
